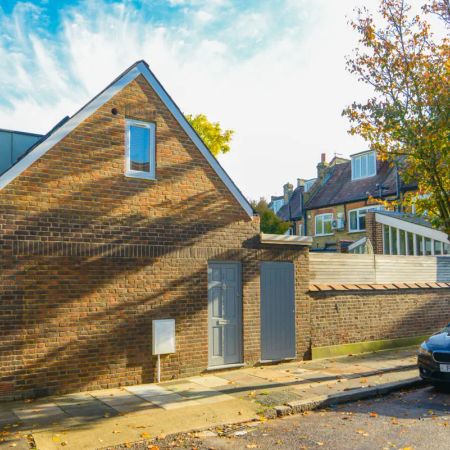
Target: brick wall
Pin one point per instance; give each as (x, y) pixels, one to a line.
(88, 258)
(374, 233)
(342, 318)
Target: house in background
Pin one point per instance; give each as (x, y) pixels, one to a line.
(332, 208)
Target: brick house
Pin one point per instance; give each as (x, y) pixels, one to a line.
(120, 216)
(332, 208)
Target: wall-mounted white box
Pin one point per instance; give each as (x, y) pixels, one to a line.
(163, 332)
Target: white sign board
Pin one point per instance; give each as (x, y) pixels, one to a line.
(163, 341)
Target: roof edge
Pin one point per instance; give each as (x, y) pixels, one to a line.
(138, 68)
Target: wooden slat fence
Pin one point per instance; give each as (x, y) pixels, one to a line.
(338, 268)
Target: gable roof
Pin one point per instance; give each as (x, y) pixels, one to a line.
(138, 68)
(338, 186)
(293, 209)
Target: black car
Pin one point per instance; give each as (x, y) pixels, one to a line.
(434, 358)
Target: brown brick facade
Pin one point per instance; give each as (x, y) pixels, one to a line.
(348, 317)
(374, 233)
(90, 257)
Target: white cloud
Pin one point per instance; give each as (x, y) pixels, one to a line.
(283, 94)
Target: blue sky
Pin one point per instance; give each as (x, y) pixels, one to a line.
(273, 71)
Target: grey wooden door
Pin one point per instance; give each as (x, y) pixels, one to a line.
(277, 311)
(225, 313)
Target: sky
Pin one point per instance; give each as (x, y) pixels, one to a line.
(272, 70)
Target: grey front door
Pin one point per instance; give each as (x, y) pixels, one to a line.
(277, 311)
(225, 312)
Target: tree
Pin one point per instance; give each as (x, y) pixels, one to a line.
(407, 119)
(211, 133)
(270, 222)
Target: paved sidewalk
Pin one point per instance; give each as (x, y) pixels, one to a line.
(98, 419)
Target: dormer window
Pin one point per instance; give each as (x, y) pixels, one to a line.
(364, 165)
(309, 184)
(140, 149)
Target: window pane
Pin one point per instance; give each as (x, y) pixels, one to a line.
(410, 244)
(362, 219)
(427, 246)
(419, 245)
(386, 240)
(327, 226)
(394, 240)
(437, 248)
(357, 168)
(353, 221)
(139, 149)
(363, 166)
(402, 242)
(371, 164)
(319, 225)
(446, 249)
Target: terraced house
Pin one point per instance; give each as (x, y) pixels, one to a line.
(340, 210)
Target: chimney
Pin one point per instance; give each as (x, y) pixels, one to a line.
(322, 166)
(287, 192)
(300, 182)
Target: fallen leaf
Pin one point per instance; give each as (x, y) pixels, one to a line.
(373, 414)
(145, 435)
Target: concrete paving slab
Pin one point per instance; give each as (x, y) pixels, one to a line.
(37, 412)
(170, 401)
(88, 410)
(191, 391)
(148, 391)
(243, 379)
(210, 381)
(72, 398)
(122, 400)
(7, 417)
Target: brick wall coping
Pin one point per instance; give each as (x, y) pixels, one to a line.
(375, 287)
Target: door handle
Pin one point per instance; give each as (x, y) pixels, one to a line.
(222, 322)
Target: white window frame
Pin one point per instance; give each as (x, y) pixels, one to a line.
(357, 210)
(152, 148)
(309, 184)
(363, 160)
(323, 228)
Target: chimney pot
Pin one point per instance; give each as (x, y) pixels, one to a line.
(287, 192)
(323, 158)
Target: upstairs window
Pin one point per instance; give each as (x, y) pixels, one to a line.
(357, 218)
(140, 149)
(323, 224)
(309, 184)
(364, 165)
